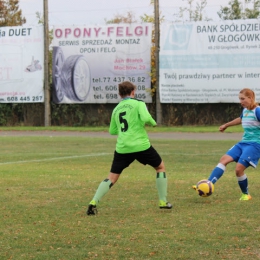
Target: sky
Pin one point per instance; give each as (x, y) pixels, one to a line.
(95, 12)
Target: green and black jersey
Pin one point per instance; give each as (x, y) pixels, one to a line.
(128, 122)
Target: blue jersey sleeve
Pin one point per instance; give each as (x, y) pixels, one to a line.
(257, 113)
(241, 115)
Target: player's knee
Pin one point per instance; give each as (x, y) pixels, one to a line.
(226, 159)
(160, 168)
(113, 177)
(239, 173)
(239, 170)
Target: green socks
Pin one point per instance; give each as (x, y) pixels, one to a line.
(103, 188)
(161, 184)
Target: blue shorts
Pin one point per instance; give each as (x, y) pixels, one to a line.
(245, 153)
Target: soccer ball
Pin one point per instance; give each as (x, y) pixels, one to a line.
(205, 188)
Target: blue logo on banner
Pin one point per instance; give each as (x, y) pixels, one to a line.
(178, 37)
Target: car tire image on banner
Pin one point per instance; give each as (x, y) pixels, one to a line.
(75, 76)
(57, 64)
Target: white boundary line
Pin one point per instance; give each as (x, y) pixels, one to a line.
(57, 158)
(81, 156)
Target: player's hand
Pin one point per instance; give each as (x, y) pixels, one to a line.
(222, 128)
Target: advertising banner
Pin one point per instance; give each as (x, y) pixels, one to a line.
(90, 61)
(21, 64)
(209, 62)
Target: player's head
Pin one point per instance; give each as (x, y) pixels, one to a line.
(247, 98)
(126, 88)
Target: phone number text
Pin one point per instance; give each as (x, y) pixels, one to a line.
(25, 99)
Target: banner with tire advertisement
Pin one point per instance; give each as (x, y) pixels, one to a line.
(21, 64)
(90, 61)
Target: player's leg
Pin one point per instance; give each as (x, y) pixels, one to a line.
(220, 168)
(102, 190)
(152, 158)
(161, 184)
(242, 179)
(120, 162)
(233, 154)
(249, 157)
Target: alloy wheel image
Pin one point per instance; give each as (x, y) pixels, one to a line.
(57, 64)
(75, 76)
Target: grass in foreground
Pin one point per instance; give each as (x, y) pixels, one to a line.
(47, 182)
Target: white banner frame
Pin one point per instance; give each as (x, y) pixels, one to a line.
(90, 61)
(209, 62)
(21, 64)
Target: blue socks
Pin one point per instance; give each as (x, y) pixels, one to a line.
(217, 173)
(243, 183)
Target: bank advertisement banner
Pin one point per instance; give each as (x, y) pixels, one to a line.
(21, 64)
(209, 62)
(90, 61)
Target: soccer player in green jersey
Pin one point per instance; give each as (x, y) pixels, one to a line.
(128, 121)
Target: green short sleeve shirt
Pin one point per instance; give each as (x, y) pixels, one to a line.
(128, 121)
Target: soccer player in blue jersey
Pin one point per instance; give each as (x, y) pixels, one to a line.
(128, 122)
(246, 152)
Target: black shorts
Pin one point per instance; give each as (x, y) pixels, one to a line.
(121, 161)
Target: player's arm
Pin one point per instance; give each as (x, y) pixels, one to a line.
(257, 113)
(113, 127)
(236, 121)
(145, 115)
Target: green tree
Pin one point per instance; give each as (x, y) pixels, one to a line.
(119, 18)
(231, 12)
(10, 14)
(254, 12)
(40, 18)
(236, 11)
(192, 12)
